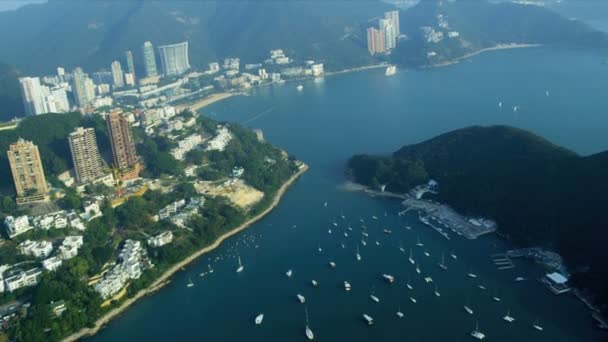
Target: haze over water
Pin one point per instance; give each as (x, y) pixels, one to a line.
(368, 112)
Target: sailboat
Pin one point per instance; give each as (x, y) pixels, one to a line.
(417, 269)
(301, 298)
(289, 273)
(358, 256)
(508, 317)
(536, 325)
(454, 256)
(472, 275)
(320, 249)
(389, 278)
(346, 286)
(437, 291)
(427, 254)
(314, 283)
(259, 318)
(308, 331)
(368, 319)
(467, 308)
(399, 313)
(408, 285)
(332, 264)
(241, 267)
(418, 243)
(476, 333)
(411, 258)
(413, 300)
(441, 264)
(363, 242)
(495, 297)
(374, 298)
(190, 283)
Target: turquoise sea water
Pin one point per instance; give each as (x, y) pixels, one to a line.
(367, 112)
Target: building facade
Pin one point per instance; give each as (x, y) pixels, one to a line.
(393, 16)
(174, 58)
(149, 60)
(118, 78)
(386, 27)
(129, 62)
(121, 139)
(88, 165)
(79, 88)
(28, 175)
(375, 41)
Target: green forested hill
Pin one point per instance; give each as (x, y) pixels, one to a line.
(539, 193)
(10, 95)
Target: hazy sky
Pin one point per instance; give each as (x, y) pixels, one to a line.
(6, 5)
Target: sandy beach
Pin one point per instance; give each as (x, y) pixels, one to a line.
(205, 102)
(162, 280)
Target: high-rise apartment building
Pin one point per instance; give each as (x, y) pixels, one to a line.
(386, 27)
(174, 59)
(375, 41)
(31, 94)
(393, 16)
(118, 78)
(28, 175)
(88, 165)
(149, 60)
(121, 138)
(79, 88)
(129, 62)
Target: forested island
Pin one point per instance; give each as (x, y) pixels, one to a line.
(538, 193)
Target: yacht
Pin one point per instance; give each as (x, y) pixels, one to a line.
(537, 326)
(342, 245)
(389, 278)
(363, 242)
(320, 249)
(417, 270)
(508, 317)
(408, 285)
(454, 256)
(499, 104)
(375, 217)
(481, 287)
(476, 333)
(374, 298)
(390, 70)
(368, 319)
(468, 310)
(402, 249)
(314, 283)
(520, 279)
(190, 283)
(496, 299)
(308, 331)
(413, 300)
(241, 267)
(377, 243)
(411, 259)
(289, 273)
(472, 275)
(332, 264)
(329, 231)
(300, 87)
(437, 292)
(259, 318)
(418, 243)
(345, 234)
(399, 313)
(346, 286)
(301, 298)
(441, 264)
(358, 256)
(428, 280)
(335, 224)
(427, 254)
(387, 231)
(365, 234)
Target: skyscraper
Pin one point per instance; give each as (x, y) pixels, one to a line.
(88, 165)
(129, 62)
(149, 60)
(79, 80)
(375, 41)
(393, 16)
(386, 27)
(28, 175)
(118, 78)
(121, 138)
(174, 58)
(31, 94)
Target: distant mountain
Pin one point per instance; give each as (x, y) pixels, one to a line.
(539, 193)
(442, 31)
(92, 33)
(10, 93)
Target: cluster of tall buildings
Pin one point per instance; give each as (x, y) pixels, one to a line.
(384, 38)
(38, 98)
(27, 169)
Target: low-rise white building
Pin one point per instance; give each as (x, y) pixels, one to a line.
(37, 249)
(51, 264)
(220, 141)
(186, 145)
(17, 225)
(70, 246)
(161, 239)
(190, 171)
(22, 279)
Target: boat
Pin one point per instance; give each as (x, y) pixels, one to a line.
(546, 93)
(289, 273)
(417, 270)
(374, 298)
(468, 309)
(190, 283)
(332, 264)
(349, 228)
(329, 231)
(437, 292)
(387, 231)
(335, 224)
(325, 205)
(389, 278)
(301, 298)
(536, 325)
(481, 287)
(428, 280)
(476, 333)
(375, 217)
(515, 108)
(408, 228)
(496, 299)
(345, 234)
(314, 283)
(241, 267)
(411, 259)
(472, 275)
(300, 87)
(399, 313)
(520, 279)
(320, 249)
(368, 319)
(499, 104)
(441, 264)
(418, 243)
(346, 286)
(365, 234)
(508, 317)
(390, 70)
(364, 243)
(342, 245)
(358, 256)
(427, 254)
(308, 331)
(259, 318)
(402, 249)
(413, 300)
(454, 256)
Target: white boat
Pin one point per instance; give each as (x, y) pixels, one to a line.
(329, 231)
(520, 279)
(342, 245)
(413, 300)
(332, 264)
(368, 319)
(390, 70)
(375, 217)
(365, 234)
(472, 275)
(346, 286)
(515, 109)
(374, 298)
(411, 259)
(314, 283)
(349, 228)
(427, 254)
(537, 326)
(468, 310)
(345, 234)
(308, 331)
(437, 294)
(417, 270)
(358, 256)
(300, 87)
(377, 243)
(454, 256)
(320, 249)
(508, 317)
(441, 264)
(241, 267)
(476, 333)
(389, 278)
(259, 318)
(546, 93)
(418, 243)
(387, 231)
(399, 313)
(325, 205)
(496, 299)
(428, 280)
(289, 273)
(481, 287)
(499, 104)
(190, 283)
(301, 298)
(408, 228)
(402, 249)
(409, 286)
(364, 243)
(335, 224)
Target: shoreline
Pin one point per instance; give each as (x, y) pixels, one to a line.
(480, 51)
(202, 103)
(163, 279)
